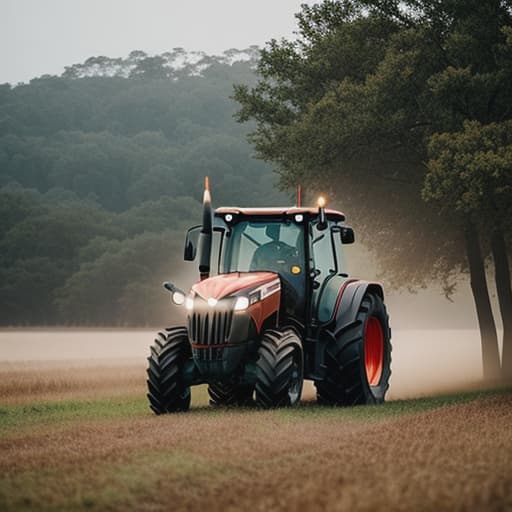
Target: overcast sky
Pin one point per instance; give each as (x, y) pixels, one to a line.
(43, 36)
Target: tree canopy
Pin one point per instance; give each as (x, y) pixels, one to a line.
(359, 99)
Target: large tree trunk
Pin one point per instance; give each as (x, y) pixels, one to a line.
(503, 287)
(488, 335)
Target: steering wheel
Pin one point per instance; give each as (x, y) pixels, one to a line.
(272, 255)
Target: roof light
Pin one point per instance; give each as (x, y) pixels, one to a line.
(299, 217)
(321, 201)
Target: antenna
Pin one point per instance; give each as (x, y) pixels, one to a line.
(299, 196)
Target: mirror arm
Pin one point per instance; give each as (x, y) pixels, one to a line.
(171, 288)
(177, 295)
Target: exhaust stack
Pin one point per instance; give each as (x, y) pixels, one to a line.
(206, 235)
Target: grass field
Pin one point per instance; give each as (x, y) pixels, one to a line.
(80, 437)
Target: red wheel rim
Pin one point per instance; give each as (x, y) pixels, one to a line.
(373, 350)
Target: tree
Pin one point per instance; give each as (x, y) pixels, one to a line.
(100, 291)
(470, 174)
(27, 290)
(356, 98)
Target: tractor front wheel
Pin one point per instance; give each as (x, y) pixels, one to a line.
(279, 371)
(166, 390)
(358, 360)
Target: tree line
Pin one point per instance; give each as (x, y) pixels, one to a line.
(405, 108)
(100, 172)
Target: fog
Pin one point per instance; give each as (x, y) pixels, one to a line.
(423, 362)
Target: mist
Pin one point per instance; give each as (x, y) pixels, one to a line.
(424, 362)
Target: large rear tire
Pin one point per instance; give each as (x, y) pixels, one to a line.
(358, 361)
(166, 390)
(230, 394)
(279, 371)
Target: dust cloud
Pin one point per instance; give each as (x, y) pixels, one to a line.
(424, 362)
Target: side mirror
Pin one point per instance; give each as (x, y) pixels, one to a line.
(347, 235)
(191, 243)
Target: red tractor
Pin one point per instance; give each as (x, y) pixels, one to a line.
(280, 309)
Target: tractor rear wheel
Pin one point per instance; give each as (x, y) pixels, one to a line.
(230, 393)
(358, 360)
(279, 370)
(166, 389)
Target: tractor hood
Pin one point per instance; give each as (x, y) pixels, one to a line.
(223, 285)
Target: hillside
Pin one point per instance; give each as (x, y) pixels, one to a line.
(101, 170)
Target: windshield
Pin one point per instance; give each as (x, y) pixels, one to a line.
(274, 246)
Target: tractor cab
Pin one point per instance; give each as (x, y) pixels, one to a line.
(303, 246)
(290, 242)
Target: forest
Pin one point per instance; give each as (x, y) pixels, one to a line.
(101, 170)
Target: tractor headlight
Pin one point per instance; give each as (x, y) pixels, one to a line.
(178, 297)
(189, 303)
(241, 303)
(244, 302)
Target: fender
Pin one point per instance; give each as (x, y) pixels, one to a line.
(349, 300)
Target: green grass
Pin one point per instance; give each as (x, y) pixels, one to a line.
(22, 418)
(123, 484)
(310, 411)
(14, 417)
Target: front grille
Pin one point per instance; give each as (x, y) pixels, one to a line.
(210, 327)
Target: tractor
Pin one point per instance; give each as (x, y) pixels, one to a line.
(278, 308)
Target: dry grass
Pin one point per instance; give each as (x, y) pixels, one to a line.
(111, 454)
(50, 381)
(43, 381)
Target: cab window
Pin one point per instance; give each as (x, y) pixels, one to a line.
(272, 246)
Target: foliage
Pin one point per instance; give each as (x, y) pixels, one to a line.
(354, 100)
(121, 283)
(101, 170)
(470, 171)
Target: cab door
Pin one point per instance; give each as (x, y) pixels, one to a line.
(327, 270)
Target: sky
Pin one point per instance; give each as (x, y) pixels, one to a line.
(42, 36)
